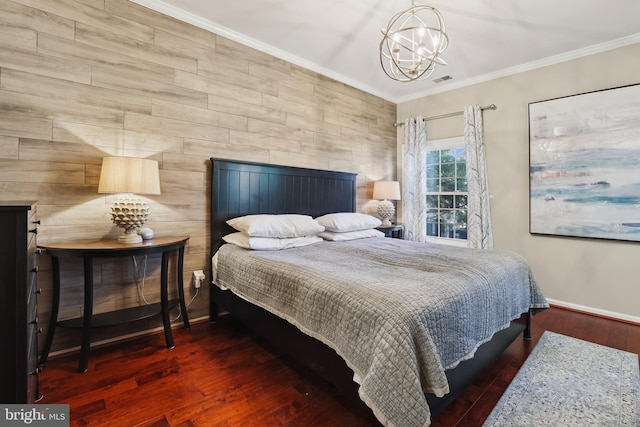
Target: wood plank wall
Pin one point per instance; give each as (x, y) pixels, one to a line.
(83, 79)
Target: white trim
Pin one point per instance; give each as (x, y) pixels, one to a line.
(595, 311)
(446, 241)
(191, 18)
(446, 143)
(556, 59)
(124, 337)
(205, 24)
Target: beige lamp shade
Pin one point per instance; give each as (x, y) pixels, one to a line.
(129, 175)
(386, 190)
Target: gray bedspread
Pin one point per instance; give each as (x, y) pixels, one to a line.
(398, 312)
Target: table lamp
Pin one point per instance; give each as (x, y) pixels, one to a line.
(129, 175)
(386, 191)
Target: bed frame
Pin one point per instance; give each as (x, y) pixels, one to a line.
(242, 188)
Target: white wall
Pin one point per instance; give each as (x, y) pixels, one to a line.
(597, 275)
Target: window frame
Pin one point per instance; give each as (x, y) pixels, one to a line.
(447, 144)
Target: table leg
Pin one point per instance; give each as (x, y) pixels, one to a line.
(164, 299)
(183, 306)
(87, 317)
(55, 304)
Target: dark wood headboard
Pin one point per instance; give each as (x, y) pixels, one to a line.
(243, 188)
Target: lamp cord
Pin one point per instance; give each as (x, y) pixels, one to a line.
(144, 276)
(141, 286)
(187, 305)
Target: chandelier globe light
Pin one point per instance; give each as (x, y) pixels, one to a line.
(412, 43)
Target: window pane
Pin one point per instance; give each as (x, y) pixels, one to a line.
(446, 215)
(446, 223)
(447, 156)
(432, 201)
(461, 217)
(461, 202)
(446, 201)
(448, 170)
(460, 233)
(448, 184)
(461, 184)
(446, 230)
(432, 222)
(432, 228)
(461, 170)
(433, 157)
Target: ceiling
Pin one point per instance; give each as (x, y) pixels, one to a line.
(488, 38)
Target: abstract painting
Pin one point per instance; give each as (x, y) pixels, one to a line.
(584, 165)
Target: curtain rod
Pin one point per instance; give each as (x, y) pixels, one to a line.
(457, 113)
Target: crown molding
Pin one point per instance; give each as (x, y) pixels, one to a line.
(551, 60)
(191, 18)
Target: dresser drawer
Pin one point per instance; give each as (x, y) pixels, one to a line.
(32, 311)
(33, 394)
(32, 345)
(32, 284)
(33, 365)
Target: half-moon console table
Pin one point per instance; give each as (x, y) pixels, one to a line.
(113, 249)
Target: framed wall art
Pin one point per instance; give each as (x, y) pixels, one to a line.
(584, 165)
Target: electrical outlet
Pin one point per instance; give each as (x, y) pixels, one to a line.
(198, 278)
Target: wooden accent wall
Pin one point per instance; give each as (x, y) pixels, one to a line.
(84, 79)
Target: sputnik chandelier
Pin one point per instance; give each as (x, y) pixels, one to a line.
(412, 43)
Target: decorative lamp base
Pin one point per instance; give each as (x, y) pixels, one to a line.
(129, 238)
(131, 213)
(385, 211)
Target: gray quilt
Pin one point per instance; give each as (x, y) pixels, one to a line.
(398, 312)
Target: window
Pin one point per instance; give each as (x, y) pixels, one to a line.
(447, 189)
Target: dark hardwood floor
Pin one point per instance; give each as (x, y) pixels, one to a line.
(217, 375)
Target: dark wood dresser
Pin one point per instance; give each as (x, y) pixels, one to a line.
(19, 328)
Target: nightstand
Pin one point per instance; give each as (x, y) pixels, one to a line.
(394, 231)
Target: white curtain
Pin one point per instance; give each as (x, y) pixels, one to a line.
(414, 180)
(479, 234)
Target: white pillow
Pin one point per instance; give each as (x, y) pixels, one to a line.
(350, 235)
(348, 221)
(269, 243)
(278, 226)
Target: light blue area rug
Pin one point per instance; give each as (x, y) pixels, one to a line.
(569, 382)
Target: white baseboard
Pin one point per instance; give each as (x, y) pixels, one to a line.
(595, 311)
(124, 337)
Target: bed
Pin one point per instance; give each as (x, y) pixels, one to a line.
(406, 359)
